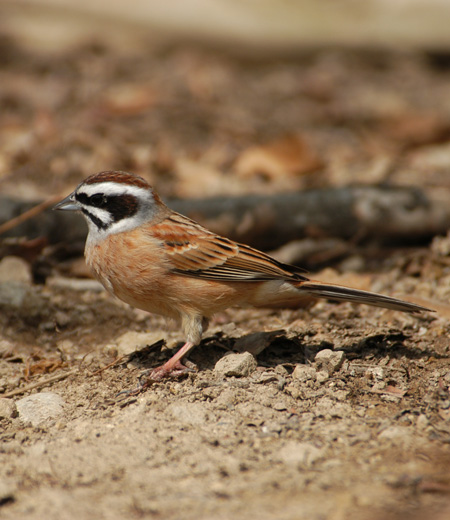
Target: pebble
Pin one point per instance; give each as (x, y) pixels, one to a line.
(300, 454)
(255, 342)
(322, 376)
(13, 294)
(396, 434)
(328, 408)
(329, 360)
(304, 373)
(189, 413)
(7, 492)
(132, 341)
(14, 269)
(375, 373)
(38, 408)
(422, 422)
(239, 365)
(74, 284)
(280, 406)
(8, 409)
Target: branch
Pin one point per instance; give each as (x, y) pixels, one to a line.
(399, 215)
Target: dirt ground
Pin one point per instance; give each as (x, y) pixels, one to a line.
(365, 438)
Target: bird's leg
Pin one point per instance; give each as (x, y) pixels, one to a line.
(173, 367)
(193, 326)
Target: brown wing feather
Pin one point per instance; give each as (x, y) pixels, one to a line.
(195, 251)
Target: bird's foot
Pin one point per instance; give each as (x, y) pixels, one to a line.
(171, 369)
(156, 375)
(167, 371)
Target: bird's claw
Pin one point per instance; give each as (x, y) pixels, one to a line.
(156, 375)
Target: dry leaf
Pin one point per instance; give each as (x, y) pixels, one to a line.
(287, 156)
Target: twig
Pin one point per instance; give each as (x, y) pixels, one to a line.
(109, 365)
(32, 212)
(41, 383)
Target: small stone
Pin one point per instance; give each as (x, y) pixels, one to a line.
(300, 454)
(8, 409)
(7, 491)
(189, 413)
(239, 365)
(322, 376)
(324, 407)
(13, 294)
(396, 433)
(14, 269)
(38, 408)
(6, 348)
(324, 340)
(329, 360)
(62, 318)
(375, 373)
(294, 391)
(255, 343)
(74, 284)
(111, 350)
(304, 373)
(132, 341)
(422, 422)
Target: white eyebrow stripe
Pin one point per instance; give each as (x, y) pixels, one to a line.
(114, 188)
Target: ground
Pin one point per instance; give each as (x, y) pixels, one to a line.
(364, 435)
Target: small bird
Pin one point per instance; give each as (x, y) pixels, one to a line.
(165, 263)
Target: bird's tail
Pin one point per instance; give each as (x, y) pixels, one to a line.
(342, 293)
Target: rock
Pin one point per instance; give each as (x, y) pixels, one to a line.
(300, 454)
(7, 492)
(62, 318)
(74, 284)
(6, 348)
(280, 406)
(132, 341)
(13, 294)
(322, 376)
(329, 360)
(376, 373)
(189, 413)
(396, 434)
(256, 342)
(238, 365)
(22, 298)
(304, 373)
(8, 409)
(328, 408)
(38, 408)
(14, 269)
(422, 422)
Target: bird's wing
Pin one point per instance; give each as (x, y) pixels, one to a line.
(194, 251)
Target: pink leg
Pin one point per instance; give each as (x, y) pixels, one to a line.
(173, 367)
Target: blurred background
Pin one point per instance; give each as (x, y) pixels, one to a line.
(231, 98)
(224, 97)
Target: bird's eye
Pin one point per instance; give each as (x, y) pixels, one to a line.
(97, 200)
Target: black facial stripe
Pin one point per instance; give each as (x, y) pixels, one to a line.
(83, 198)
(121, 206)
(99, 223)
(118, 206)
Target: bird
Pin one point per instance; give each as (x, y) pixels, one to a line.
(160, 261)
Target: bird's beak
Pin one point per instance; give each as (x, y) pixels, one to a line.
(68, 204)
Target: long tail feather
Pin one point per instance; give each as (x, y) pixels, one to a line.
(342, 293)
